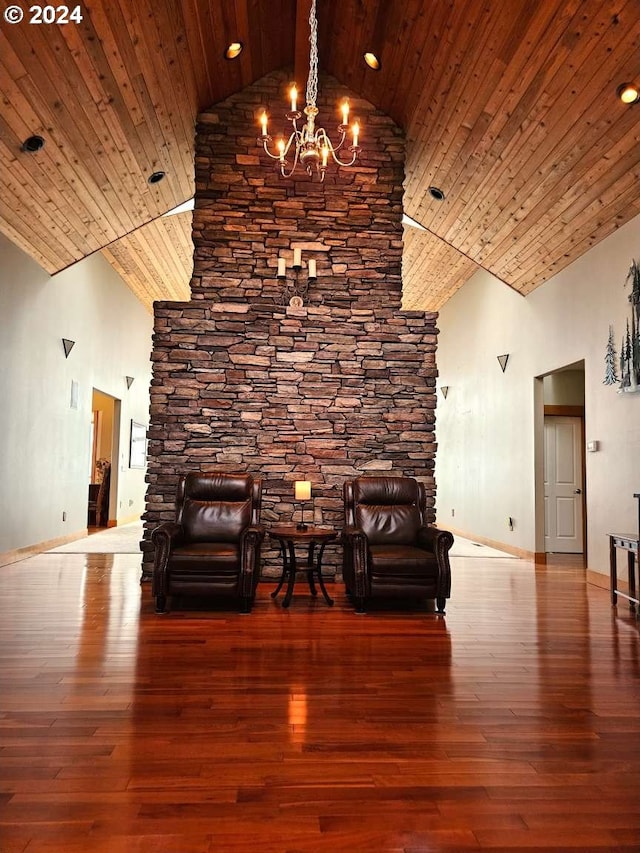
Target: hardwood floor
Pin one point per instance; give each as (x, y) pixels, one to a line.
(511, 724)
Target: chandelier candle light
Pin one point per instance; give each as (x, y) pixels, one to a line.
(310, 145)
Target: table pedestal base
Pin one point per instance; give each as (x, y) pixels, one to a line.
(314, 538)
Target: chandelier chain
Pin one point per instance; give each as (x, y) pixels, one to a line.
(312, 82)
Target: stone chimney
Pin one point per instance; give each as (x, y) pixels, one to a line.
(242, 381)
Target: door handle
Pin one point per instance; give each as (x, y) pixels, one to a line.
(577, 491)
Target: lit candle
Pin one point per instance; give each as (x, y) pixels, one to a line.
(264, 118)
(325, 155)
(312, 268)
(297, 257)
(281, 149)
(345, 111)
(294, 98)
(282, 268)
(356, 133)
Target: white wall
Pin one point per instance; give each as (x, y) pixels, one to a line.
(44, 443)
(490, 423)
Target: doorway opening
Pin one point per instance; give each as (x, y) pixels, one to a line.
(561, 469)
(105, 428)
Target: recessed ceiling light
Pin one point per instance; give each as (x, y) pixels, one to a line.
(234, 50)
(629, 93)
(155, 177)
(372, 61)
(437, 193)
(32, 144)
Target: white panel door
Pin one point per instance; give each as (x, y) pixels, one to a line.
(563, 485)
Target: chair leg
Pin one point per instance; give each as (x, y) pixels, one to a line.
(359, 603)
(247, 601)
(440, 603)
(161, 603)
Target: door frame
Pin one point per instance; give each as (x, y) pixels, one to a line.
(539, 411)
(116, 411)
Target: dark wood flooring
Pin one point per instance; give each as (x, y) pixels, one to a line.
(511, 724)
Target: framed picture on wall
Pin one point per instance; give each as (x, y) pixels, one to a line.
(138, 447)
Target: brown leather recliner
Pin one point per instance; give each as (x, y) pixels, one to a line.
(388, 547)
(213, 547)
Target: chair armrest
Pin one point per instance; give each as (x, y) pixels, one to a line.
(439, 542)
(356, 561)
(250, 544)
(252, 536)
(170, 532)
(434, 539)
(165, 537)
(353, 535)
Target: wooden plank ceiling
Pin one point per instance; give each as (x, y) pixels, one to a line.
(509, 106)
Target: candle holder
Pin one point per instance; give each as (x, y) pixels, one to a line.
(295, 293)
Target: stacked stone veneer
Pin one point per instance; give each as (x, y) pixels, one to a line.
(243, 382)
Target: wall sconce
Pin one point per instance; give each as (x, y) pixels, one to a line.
(502, 360)
(294, 294)
(302, 492)
(68, 346)
(129, 381)
(444, 389)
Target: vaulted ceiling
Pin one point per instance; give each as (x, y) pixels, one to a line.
(509, 107)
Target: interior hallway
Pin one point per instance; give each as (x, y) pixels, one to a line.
(511, 723)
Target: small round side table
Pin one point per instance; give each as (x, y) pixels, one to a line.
(288, 536)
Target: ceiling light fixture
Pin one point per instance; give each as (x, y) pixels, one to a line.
(437, 193)
(311, 145)
(372, 61)
(234, 50)
(32, 144)
(155, 177)
(629, 93)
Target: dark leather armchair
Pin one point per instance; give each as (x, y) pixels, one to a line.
(388, 547)
(213, 547)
